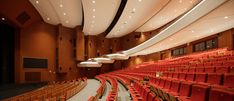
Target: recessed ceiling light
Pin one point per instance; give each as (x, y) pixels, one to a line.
(61, 5)
(192, 31)
(139, 0)
(64, 14)
(171, 39)
(48, 18)
(129, 16)
(180, 1)
(67, 21)
(3, 19)
(94, 16)
(226, 17)
(134, 9)
(37, 2)
(125, 22)
(93, 1)
(191, 1)
(94, 10)
(211, 30)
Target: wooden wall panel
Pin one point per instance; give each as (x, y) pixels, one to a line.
(66, 53)
(80, 44)
(37, 40)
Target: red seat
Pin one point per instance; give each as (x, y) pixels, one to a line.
(229, 80)
(175, 75)
(182, 76)
(199, 93)
(222, 69)
(214, 78)
(174, 88)
(190, 77)
(200, 69)
(185, 89)
(151, 97)
(217, 94)
(201, 77)
(217, 63)
(210, 69)
(192, 70)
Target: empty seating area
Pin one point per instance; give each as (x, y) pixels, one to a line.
(53, 91)
(206, 76)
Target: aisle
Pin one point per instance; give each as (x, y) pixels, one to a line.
(89, 90)
(123, 94)
(107, 90)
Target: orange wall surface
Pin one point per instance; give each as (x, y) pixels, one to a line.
(37, 41)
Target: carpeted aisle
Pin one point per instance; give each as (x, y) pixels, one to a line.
(123, 94)
(89, 90)
(107, 90)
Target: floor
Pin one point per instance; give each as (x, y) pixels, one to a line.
(123, 94)
(93, 85)
(89, 90)
(107, 90)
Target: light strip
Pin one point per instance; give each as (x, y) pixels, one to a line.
(89, 64)
(117, 56)
(195, 13)
(102, 60)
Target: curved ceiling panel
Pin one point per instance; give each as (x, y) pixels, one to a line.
(136, 13)
(218, 20)
(46, 11)
(65, 12)
(171, 11)
(203, 8)
(68, 11)
(98, 15)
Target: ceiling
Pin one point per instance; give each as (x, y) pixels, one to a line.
(220, 19)
(65, 12)
(107, 16)
(98, 15)
(172, 10)
(135, 13)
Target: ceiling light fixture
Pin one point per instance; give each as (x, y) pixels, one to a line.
(64, 14)
(192, 31)
(94, 10)
(3, 19)
(93, 1)
(226, 17)
(61, 5)
(94, 16)
(139, 0)
(37, 2)
(180, 1)
(48, 18)
(129, 16)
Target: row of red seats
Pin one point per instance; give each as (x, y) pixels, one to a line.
(100, 90)
(186, 90)
(113, 95)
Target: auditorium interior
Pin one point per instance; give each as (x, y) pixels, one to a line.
(116, 50)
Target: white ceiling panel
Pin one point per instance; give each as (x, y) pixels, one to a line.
(98, 15)
(201, 9)
(135, 14)
(65, 12)
(46, 11)
(218, 20)
(68, 11)
(171, 11)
